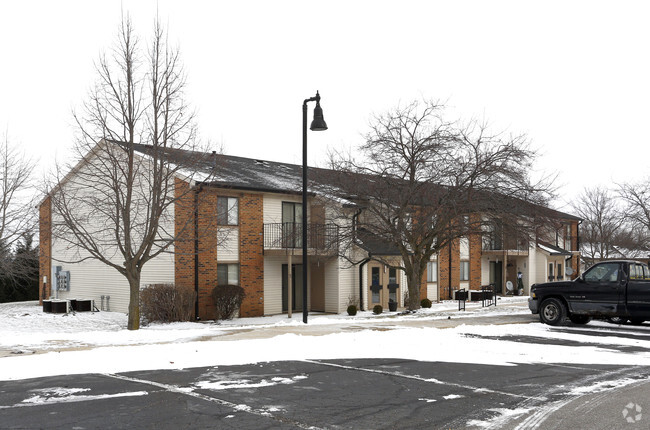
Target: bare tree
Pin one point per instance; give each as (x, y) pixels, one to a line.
(17, 217)
(135, 133)
(424, 181)
(603, 223)
(636, 209)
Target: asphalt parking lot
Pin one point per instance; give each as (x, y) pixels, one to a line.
(339, 394)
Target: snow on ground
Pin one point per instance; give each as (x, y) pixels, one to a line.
(37, 344)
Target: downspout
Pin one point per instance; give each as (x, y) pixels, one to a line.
(196, 251)
(449, 290)
(363, 263)
(577, 271)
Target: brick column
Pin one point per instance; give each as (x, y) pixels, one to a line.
(443, 269)
(45, 249)
(475, 253)
(251, 257)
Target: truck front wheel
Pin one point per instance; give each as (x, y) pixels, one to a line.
(552, 312)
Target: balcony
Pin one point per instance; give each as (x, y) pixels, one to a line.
(509, 246)
(284, 238)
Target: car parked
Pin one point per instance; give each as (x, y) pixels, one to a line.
(614, 289)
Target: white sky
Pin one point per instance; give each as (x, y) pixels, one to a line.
(574, 76)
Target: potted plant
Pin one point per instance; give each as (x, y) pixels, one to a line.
(392, 305)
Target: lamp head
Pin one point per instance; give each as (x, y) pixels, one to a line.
(318, 124)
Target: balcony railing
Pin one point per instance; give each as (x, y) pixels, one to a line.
(321, 238)
(506, 244)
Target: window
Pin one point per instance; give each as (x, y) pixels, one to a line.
(392, 279)
(227, 210)
(291, 225)
(560, 274)
(607, 272)
(392, 275)
(464, 270)
(550, 272)
(228, 274)
(374, 282)
(432, 271)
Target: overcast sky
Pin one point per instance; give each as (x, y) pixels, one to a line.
(573, 75)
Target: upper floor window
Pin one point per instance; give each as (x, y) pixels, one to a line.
(291, 212)
(227, 210)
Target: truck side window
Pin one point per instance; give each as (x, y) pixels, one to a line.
(633, 272)
(607, 272)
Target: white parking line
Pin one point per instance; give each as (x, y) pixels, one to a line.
(431, 380)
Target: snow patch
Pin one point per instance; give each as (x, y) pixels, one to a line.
(247, 383)
(503, 415)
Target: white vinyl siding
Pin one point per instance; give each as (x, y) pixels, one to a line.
(273, 284)
(228, 244)
(92, 279)
(272, 206)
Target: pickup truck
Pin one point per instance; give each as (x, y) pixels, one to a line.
(614, 289)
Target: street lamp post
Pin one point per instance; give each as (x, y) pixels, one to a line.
(318, 124)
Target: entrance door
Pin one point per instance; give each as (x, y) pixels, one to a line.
(296, 287)
(375, 285)
(496, 273)
(383, 285)
(291, 225)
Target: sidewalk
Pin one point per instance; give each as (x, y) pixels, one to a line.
(25, 329)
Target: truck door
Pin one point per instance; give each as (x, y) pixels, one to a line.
(600, 290)
(638, 291)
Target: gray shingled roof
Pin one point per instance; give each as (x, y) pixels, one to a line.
(227, 171)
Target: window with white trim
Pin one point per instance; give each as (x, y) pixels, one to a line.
(227, 210)
(228, 274)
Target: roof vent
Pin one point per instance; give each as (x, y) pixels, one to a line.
(262, 163)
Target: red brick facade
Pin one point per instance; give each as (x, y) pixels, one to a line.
(45, 249)
(444, 267)
(475, 252)
(251, 257)
(203, 201)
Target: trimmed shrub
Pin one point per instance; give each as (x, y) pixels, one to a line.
(167, 303)
(352, 310)
(425, 303)
(377, 309)
(227, 300)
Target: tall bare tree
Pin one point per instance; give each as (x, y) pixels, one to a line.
(424, 181)
(113, 203)
(17, 216)
(603, 223)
